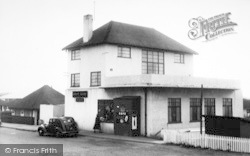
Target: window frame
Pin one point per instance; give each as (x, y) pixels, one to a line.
(75, 55)
(73, 80)
(210, 106)
(195, 104)
(227, 107)
(179, 58)
(173, 106)
(98, 79)
(151, 63)
(121, 52)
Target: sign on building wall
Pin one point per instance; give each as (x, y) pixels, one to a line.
(79, 99)
(80, 95)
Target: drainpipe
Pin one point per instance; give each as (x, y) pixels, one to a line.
(146, 99)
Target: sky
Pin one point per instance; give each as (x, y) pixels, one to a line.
(33, 33)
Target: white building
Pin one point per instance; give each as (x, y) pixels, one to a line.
(120, 59)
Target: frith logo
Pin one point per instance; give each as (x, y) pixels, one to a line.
(210, 28)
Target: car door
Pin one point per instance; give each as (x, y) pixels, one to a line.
(51, 127)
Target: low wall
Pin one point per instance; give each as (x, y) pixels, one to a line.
(7, 117)
(23, 120)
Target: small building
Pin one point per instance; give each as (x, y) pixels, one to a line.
(7, 97)
(29, 106)
(119, 60)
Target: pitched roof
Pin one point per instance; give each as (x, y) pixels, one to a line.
(131, 35)
(44, 95)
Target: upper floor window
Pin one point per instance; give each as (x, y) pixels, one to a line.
(152, 62)
(178, 58)
(75, 80)
(209, 106)
(124, 52)
(95, 79)
(174, 110)
(75, 55)
(227, 107)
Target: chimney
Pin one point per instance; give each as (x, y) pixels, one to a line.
(87, 28)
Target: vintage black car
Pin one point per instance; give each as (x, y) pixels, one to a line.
(63, 126)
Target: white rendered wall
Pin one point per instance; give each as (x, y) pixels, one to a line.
(180, 69)
(58, 110)
(104, 58)
(46, 112)
(158, 106)
(119, 66)
(85, 112)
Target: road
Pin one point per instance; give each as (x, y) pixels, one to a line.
(90, 146)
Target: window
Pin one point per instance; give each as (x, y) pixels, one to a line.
(124, 52)
(227, 107)
(178, 58)
(174, 110)
(75, 55)
(106, 110)
(195, 106)
(75, 80)
(95, 79)
(152, 62)
(209, 106)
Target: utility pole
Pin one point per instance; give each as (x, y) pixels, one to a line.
(201, 109)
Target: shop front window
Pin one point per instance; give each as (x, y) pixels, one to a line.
(106, 110)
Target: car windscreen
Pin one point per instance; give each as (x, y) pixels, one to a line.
(67, 121)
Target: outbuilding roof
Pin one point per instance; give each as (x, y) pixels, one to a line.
(44, 95)
(117, 33)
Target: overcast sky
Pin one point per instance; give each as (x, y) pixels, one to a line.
(33, 33)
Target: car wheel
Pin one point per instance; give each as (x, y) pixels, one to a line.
(58, 134)
(40, 132)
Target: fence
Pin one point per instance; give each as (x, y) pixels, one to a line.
(207, 141)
